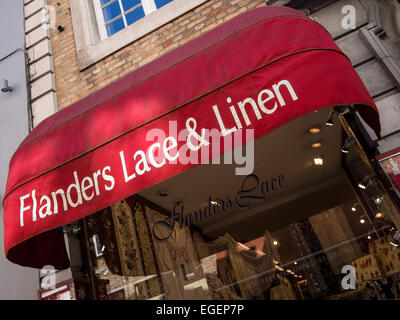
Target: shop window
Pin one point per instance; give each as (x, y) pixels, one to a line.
(115, 15)
(329, 234)
(102, 27)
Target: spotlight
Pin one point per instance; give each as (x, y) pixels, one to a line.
(353, 208)
(379, 215)
(395, 240)
(314, 130)
(347, 144)
(361, 185)
(365, 181)
(329, 122)
(362, 221)
(316, 145)
(319, 161)
(4, 86)
(275, 243)
(369, 237)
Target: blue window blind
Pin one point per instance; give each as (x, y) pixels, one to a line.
(129, 4)
(118, 14)
(160, 3)
(115, 26)
(134, 15)
(111, 11)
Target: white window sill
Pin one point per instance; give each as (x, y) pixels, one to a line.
(90, 49)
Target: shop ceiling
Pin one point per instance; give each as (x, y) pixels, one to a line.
(287, 151)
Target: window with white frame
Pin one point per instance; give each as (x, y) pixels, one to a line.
(115, 15)
(102, 27)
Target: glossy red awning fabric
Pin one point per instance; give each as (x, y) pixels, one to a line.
(84, 158)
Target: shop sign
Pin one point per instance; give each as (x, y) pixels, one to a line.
(251, 191)
(97, 151)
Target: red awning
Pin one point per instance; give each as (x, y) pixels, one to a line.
(86, 157)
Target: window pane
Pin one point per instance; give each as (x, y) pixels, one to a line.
(127, 4)
(111, 11)
(115, 26)
(134, 15)
(160, 3)
(103, 2)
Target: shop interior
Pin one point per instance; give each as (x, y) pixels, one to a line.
(312, 221)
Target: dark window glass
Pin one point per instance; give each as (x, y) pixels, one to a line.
(128, 4)
(160, 3)
(115, 26)
(111, 11)
(134, 15)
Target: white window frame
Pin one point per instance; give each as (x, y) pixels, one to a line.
(92, 42)
(148, 7)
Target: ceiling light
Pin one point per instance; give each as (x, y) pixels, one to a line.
(362, 220)
(345, 149)
(369, 237)
(379, 215)
(353, 208)
(378, 200)
(316, 145)
(365, 181)
(329, 122)
(314, 130)
(361, 185)
(347, 144)
(295, 262)
(275, 243)
(319, 161)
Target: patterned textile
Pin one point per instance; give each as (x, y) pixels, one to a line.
(102, 224)
(227, 276)
(177, 258)
(388, 259)
(284, 291)
(332, 228)
(128, 247)
(362, 293)
(218, 290)
(367, 268)
(146, 248)
(126, 236)
(315, 268)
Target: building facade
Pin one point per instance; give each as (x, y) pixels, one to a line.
(76, 48)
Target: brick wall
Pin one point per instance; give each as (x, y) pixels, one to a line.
(73, 85)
